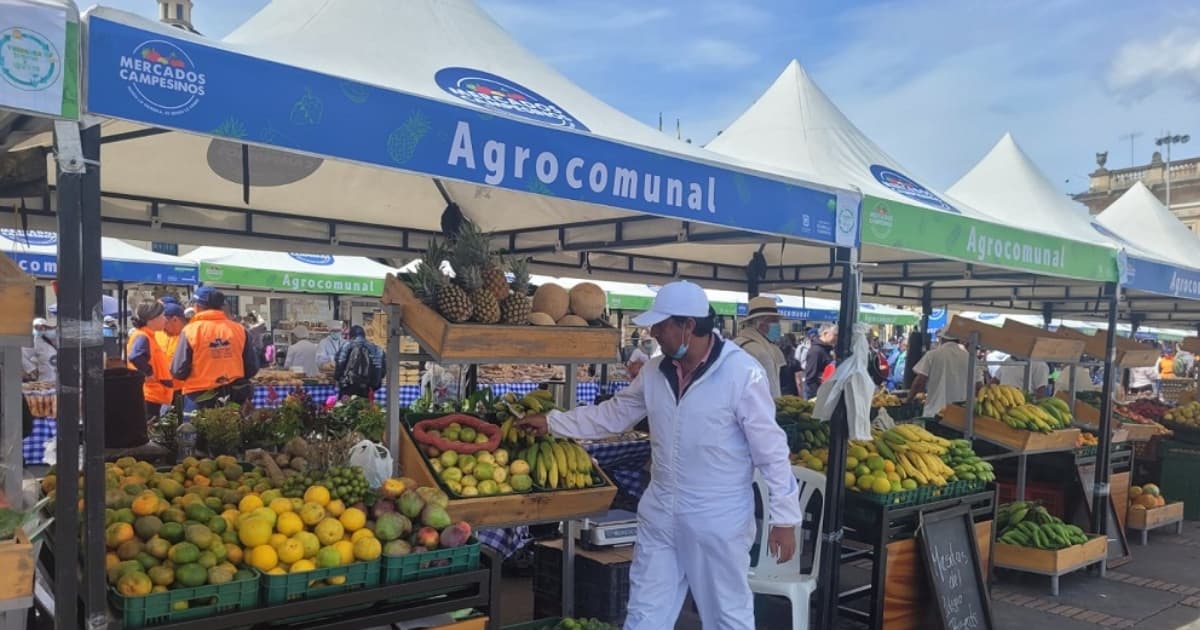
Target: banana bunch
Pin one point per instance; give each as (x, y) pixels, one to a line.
(815, 437)
(558, 464)
(1042, 417)
(793, 407)
(966, 464)
(994, 400)
(1030, 525)
(915, 452)
(885, 399)
(512, 406)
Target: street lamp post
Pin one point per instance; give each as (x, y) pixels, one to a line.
(1169, 140)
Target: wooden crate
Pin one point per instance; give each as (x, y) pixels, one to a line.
(510, 509)
(1088, 417)
(16, 294)
(1191, 344)
(16, 566)
(1129, 354)
(1141, 432)
(907, 602)
(1052, 562)
(479, 343)
(1044, 346)
(1019, 440)
(1153, 518)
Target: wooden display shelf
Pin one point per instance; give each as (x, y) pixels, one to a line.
(481, 343)
(1088, 417)
(1141, 432)
(1043, 346)
(1153, 518)
(1018, 440)
(16, 565)
(510, 509)
(1130, 353)
(1052, 562)
(1191, 344)
(16, 293)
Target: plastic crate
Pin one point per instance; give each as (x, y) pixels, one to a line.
(281, 589)
(201, 601)
(419, 566)
(601, 590)
(1050, 496)
(1180, 469)
(925, 494)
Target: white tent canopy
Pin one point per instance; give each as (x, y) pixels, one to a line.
(1142, 219)
(279, 271)
(193, 191)
(794, 126)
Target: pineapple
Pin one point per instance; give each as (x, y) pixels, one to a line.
(486, 309)
(474, 247)
(448, 298)
(515, 308)
(428, 275)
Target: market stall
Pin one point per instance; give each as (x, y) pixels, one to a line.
(216, 169)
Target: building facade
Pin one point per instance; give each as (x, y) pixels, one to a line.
(1105, 186)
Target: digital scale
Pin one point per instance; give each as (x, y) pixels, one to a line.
(614, 529)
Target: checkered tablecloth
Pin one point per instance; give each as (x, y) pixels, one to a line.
(33, 446)
(269, 396)
(506, 542)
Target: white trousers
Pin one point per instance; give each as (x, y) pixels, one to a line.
(714, 564)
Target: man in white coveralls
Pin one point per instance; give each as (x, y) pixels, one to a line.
(712, 423)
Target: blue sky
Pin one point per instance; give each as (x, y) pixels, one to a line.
(934, 82)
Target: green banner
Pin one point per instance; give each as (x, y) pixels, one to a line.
(895, 319)
(618, 302)
(893, 224)
(289, 281)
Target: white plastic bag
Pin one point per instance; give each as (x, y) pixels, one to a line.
(375, 460)
(883, 420)
(851, 378)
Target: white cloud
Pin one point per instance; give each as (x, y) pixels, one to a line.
(1147, 65)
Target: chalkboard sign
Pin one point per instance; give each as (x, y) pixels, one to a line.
(951, 556)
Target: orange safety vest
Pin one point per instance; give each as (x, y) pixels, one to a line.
(167, 343)
(216, 344)
(152, 390)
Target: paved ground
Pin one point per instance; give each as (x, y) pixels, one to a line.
(1159, 590)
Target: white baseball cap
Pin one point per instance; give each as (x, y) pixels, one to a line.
(677, 299)
(41, 321)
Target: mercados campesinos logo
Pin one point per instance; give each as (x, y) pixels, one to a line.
(30, 238)
(499, 94)
(901, 184)
(880, 221)
(162, 77)
(28, 60)
(314, 259)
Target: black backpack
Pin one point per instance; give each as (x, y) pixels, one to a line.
(358, 367)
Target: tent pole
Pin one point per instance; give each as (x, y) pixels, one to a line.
(926, 311)
(93, 375)
(1100, 494)
(830, 537)
(122, 308)
(392, 358)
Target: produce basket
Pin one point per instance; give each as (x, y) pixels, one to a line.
(1173, 388)
(281, 589)
(430, 564)
(182, 604)
(925, 494)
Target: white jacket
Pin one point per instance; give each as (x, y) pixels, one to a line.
(705, 447)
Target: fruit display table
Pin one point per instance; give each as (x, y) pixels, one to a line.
(1142, 521)
(1054, 563)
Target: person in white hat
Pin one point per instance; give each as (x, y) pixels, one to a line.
(303, 353)
(760, 331)
(712, 423)
(942, 375)
(40, 362)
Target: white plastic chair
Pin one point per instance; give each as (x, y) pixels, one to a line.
(768, 577)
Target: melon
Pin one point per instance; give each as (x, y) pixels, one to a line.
(552, 300)
(588, 300)
(572, 320)
(1151, 490)
(541, 319)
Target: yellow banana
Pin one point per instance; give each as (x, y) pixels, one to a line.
(554, 478)
(542, 473)
(560, 457)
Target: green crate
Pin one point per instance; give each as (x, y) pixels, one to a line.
(430, 564)
(537, 624)
(1180, 469)
(925, 494)
(202, 601)
(281, 589)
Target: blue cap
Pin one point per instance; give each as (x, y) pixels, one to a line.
(172, 309)
(208, 297)
(168, 299)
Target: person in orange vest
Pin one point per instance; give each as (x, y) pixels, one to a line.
(168, 337)
(213, 358)
(145, 356)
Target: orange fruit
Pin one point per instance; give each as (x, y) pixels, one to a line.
(312, 513)
(289, 523)
(329, 531)
(300, 566)
(360, 534)
(249, 503)
(290, 551)
(263, 558)
(145, 504)
(353, 519)
(233, 553)
(254, 532)
(281, 505)
(367, 548)
(318, 495)
(335, 508)
(117, 533)
(276, 540)
(134, 583)
(346, 549)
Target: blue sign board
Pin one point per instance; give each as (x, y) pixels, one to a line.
(1161, 278)
(46, 266)
(160, 80)
(937, 320)
(797, 314)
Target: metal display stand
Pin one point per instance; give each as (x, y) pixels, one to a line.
(13, 611)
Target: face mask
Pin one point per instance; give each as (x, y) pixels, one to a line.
(680, 352)
(336, 336)
(648, 346)
(51, 334)
(774, 332)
